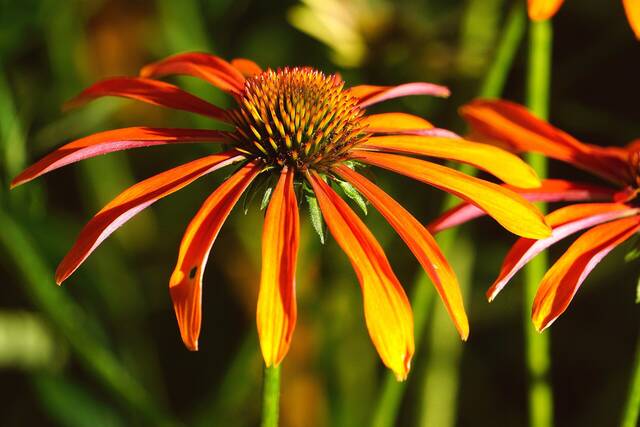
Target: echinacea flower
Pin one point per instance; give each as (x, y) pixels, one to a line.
(304, 129)
(611, 217)
(540, 10)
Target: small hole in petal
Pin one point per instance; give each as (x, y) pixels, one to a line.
(192, 273)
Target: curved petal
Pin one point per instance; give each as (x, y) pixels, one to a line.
(564, 221)
(276, 314)
(510, 124)
(420, 242)
(185, 285)
(150, 91)
(209, 68)
(564, 278)
(110, 141)
(133, 200)
(502, 164)
(551, 190)
(403, 124)
(370, 95)
(632, 8)
(539, 10)
(246, 67)
(508, 208)
(386, 306)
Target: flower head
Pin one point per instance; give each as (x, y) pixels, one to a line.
(303, 128)
(611, 217)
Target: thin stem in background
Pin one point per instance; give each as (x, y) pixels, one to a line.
(271, 397)
(392, 391)
(632, 407)
(537, 345)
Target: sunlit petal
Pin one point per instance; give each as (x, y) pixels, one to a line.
(246, 67)
(370, 95)
(539, 10)
(632, 8)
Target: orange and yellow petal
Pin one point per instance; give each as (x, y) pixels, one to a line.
(421, 244)
(500, 163)
(539, 10)
(133, 200)
(632, 8)
(150, 91)
(246, 67)
(386, 307)
(185, 285)
(563, 279)
(276, 314)
(369, 94)
(511, 210)
(393, 122)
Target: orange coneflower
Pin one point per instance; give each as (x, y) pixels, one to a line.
(309, 132)
(611, 221)
(544, 9)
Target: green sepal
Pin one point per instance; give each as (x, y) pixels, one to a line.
(316, 216)
(354, 195)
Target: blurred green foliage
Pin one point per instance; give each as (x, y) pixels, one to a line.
(104, 349)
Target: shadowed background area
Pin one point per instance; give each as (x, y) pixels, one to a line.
(104, 350)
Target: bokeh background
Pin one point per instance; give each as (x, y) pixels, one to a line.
(104, 350)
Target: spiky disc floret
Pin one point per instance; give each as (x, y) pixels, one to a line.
(297, 117)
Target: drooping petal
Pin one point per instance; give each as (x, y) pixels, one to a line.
(370, 95)
(150, 91)
(632, 8)
(386, 307)
(403, 124)
(564, 278)
(500, 163)
(510, 124)
(420, 242)
(133, 200)
(508, 208)
(564, 221)
(276, 314)
(246, 67)
(110, 141)
(209, 68)
(185, 285)
(551, 190)
(539, 10)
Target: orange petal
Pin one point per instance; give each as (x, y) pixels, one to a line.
(565, 222)
(632, 7)
(420, 242)
(110, 141)
(539, 10)
(370, 95)
(506, 166)
(185, 284)
(209, 68)
(133, 200)
(386, 306)
(150, 91)
(391, 122)
(510, 124)
(564, 278)
(511, 210)
(247, 67)
(276, 315)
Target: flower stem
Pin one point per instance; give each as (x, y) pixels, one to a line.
(271, 397)
(632, 407)
(537, 345)
(422, 298)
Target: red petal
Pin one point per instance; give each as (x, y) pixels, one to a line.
(551, 190)
(247, 67)
(276, 314)
(386, 306)
(562, 281)
(370, 95)
(134, 200)
(565, 222)
(209, 68)
(150, 91)
(420, 242)
(110, 141)
(185, 284)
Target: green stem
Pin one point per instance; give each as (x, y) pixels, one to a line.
(271, 397)
(632, 407)
(537, 345)
(392, 391)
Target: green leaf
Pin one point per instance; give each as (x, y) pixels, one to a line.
(266, 197)
(632, 255)
(354, 195)
(316, 216)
